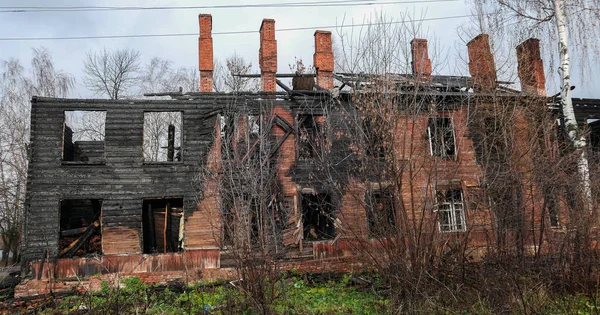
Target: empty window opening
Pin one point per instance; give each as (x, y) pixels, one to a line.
(380, 212)
(162, 136)
(450, 210)
(254, 127)
(227, 127)
(255, 130)
(163, 225)
(374, 137)
(228, 221)
(80, 233)
(242, 223)
(594, 140)
(310, 135)
(507, 204)
(441, 137)
(553, 210)
(317, 217)
(83, 136)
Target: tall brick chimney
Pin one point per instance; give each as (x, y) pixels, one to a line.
(205, 53)
(323, 59)
(481, 62)
(421, 64)
(531, 68)
(267, 55)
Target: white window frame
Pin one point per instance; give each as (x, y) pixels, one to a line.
(442, 152)
(456, 211)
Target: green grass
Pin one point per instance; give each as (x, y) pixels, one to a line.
(295, 294)
(332, 297)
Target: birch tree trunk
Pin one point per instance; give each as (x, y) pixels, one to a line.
(575, 134)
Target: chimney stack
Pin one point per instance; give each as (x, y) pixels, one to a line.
(421, 64)
(481, 62)
(267, 58)
(531, 68)
(205, 53)
(323, 59)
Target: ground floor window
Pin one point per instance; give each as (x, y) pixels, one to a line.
(450, 209)
(80, 233)
(318, 217)
(243, 220)
(380, 212)
(162, 225)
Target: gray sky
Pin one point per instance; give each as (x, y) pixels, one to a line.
(68, 54)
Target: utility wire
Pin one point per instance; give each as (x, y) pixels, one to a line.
(229, 32)
(23, 9)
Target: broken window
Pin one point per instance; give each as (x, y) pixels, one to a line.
(163, 225)
(309, 135)
(441, 137)
(80, 233)
(317, 217)
(450, 210)
(380, 212)
(162, 136)
(83, 136)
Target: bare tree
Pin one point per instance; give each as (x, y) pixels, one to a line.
(112, 73)
(227, 79)
(16, 90)
(160, 76)
(573, 26)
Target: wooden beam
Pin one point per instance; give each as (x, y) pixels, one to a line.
(165, 228)
(72, 232)
(70, 250)
(171, 143)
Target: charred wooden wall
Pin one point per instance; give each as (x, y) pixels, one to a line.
(121, 181)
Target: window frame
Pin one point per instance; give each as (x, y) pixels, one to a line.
(181, 139)
(453, 207)
(442, 153)
(72, 160)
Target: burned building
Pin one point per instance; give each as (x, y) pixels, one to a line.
(152, 188)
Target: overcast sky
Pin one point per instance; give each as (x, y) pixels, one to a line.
(182, 50)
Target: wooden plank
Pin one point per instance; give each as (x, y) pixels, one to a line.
(70, 250)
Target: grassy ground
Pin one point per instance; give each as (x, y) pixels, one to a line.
(293, 294)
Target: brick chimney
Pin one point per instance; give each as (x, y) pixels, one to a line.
(531, 68)
(481, 62)
(267, 55)
(205, 53)
(323, 59)
(421, 65)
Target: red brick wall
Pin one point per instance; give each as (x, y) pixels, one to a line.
(268, 55)
(481, 62)
(421, 64)
(205, 53)
(323, 59)
(531, 68)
